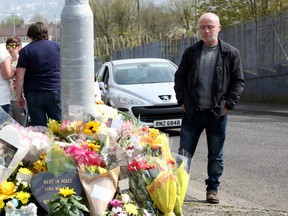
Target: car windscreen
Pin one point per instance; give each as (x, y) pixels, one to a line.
(143, 73)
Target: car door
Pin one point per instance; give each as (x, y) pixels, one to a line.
(103, 77)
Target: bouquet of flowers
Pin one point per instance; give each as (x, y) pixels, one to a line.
(123, 205)
(99, 185)
(15, 192)
(153, 183)
(182, 176)
(98, 180)
(64, 129)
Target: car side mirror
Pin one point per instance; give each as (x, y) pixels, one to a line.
(101, 86)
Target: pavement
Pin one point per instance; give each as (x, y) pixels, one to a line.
(262, 108)
(194, 203)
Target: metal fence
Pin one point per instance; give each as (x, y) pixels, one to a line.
(262, 43)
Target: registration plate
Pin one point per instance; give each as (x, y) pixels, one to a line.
(167, 123)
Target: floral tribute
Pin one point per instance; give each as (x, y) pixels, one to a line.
(105, 147)
(15, 192)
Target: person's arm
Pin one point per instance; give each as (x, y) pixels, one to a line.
(237, 81)
(6, 69)
(20, 73)
(180, 79)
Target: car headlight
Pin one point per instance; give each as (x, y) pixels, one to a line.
(128, 100)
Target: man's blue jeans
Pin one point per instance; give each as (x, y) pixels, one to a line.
(215, 128)
(43, 105)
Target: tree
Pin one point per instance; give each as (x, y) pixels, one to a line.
(232, 12)
(185, 12)
(102, 17)
(38, 18)
(121, 16)
(156, 21)
(116, 21)
(13, 19)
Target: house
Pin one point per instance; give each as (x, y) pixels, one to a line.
(21, 32)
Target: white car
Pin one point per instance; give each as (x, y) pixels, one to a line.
(142, 88)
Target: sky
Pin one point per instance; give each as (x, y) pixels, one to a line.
(49, 9)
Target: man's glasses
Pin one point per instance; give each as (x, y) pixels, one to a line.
(11, 46)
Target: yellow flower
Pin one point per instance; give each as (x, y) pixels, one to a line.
(23, 197)
(40, 165)
(54, 126)
(37, 165)
(131, 209)
(91, 127)
(66, 191)
(92, 169)
(153, 133)
(2, 204)
(24, 171)
(87, 131)
(8, 188)
(93, 147)
(42, 169)
(43, 156)
(101, 170)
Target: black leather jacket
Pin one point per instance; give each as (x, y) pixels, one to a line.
(228, 81)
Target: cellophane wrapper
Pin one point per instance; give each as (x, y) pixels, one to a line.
(163, 192)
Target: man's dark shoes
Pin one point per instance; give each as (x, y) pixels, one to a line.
(212, 197)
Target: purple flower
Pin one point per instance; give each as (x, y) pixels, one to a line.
(115, 203)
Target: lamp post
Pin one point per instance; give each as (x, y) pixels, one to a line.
(138, 15)
(77, 59)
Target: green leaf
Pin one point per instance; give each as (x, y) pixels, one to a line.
(80, 206)
(54, 206)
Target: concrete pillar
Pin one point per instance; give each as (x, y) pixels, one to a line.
(77, 59)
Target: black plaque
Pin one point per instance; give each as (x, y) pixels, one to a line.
(45, 184)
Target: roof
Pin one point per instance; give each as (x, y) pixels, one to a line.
(8, 31)
(19, 30)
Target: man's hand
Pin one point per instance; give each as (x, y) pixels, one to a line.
(21, 102)
(224, 112)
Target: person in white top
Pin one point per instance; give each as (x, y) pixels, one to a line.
(6, 73)
(13, 46)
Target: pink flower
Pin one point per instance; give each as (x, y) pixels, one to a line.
(138, 166)
(115, 203)
(65, 124)
(84, 156)
(145, 129)
(127, 128)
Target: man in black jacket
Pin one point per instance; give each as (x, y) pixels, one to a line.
(208, 83)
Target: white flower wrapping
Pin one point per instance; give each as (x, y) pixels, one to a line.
(11, 135)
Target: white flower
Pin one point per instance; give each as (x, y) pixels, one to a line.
(104, 131)
(116, 209)
(32, 208)
(104, 112)
(125, 198)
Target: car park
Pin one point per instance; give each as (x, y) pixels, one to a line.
(142, 88)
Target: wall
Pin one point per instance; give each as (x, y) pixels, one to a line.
(267, 89)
